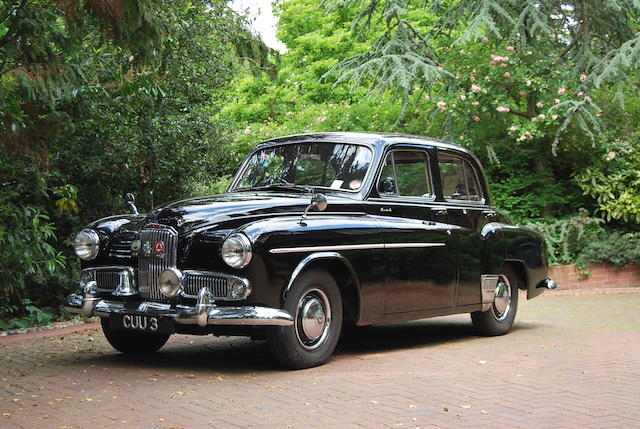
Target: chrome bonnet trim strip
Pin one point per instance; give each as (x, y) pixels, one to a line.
(353, 247)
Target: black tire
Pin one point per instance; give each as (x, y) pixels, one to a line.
(305, 344)
(132, 343)
(494, 321)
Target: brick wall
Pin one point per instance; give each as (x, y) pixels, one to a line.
(602, 276)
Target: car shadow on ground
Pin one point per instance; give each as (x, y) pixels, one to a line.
(240, 355)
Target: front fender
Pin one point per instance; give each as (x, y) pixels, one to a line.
(350, 246)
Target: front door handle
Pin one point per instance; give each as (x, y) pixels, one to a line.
(439, 211)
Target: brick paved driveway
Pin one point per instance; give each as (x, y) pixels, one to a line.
(571, 361)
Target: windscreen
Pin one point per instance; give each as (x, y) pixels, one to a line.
(327, 165)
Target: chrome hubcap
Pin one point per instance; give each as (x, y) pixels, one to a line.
(313, 319)
(502, 298)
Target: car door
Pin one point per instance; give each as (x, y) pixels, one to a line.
(466, 199)
(420, 271)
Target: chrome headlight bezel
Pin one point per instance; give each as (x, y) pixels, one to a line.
(170, 282)
(236, 250)
(87, 244)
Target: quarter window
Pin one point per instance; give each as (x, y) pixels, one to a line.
(405, 173)
(459, 180)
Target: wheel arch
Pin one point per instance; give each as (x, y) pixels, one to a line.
(343, 273)
(520, 271)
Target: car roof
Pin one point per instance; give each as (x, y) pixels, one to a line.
(379, 140)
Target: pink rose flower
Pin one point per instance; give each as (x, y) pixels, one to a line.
(541, 117)
(485, 39)
(510, 48)
(475, 88)
(463, 97)
(539, 105)
(581, 94)
(503, 109)
(507, 75)
(561, 91)
(513, 128)
(476, 118)
(583, 77)
(528, 83)
(554, 117)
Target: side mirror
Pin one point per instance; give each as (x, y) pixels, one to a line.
(318, 202)
(131, 199)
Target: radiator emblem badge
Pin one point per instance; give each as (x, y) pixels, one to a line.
(159, 247)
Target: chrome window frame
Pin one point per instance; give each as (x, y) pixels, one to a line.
(405, 198)
(465, 160)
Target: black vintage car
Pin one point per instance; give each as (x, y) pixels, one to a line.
(315, 230)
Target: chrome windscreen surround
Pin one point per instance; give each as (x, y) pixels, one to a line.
(220, 285)
(158, 251)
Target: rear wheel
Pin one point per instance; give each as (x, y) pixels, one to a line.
(134, 343)
(316, 305)
(498, 319)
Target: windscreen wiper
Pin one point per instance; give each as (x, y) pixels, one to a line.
(280, 186)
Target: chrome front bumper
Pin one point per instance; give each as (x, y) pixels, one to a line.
(204, 313)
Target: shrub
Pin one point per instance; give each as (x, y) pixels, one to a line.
(565, 238)
(617, 248)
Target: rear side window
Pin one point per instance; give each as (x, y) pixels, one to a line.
(459, 179)
(405, 173)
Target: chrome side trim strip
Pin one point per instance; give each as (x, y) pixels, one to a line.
(353, 247)
(403, 245)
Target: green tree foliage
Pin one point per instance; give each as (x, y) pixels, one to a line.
(614, 182)
(572, 46)
(99, 98)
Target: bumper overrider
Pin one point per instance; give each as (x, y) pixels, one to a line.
(204, 312)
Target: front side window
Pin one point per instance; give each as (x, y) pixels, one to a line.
(459, 180)
(405, 173)
(326, 165)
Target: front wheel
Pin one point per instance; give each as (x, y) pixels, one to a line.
(498, 319)
(134, 343)
(315, 303)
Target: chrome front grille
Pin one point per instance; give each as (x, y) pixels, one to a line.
(151, 262)
(106, 280)
(218, 285)
(121, 247)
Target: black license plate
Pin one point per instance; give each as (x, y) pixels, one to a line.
(141, 323)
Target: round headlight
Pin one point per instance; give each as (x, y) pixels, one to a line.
(170, 282)
(236, 251)
(87, 244)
